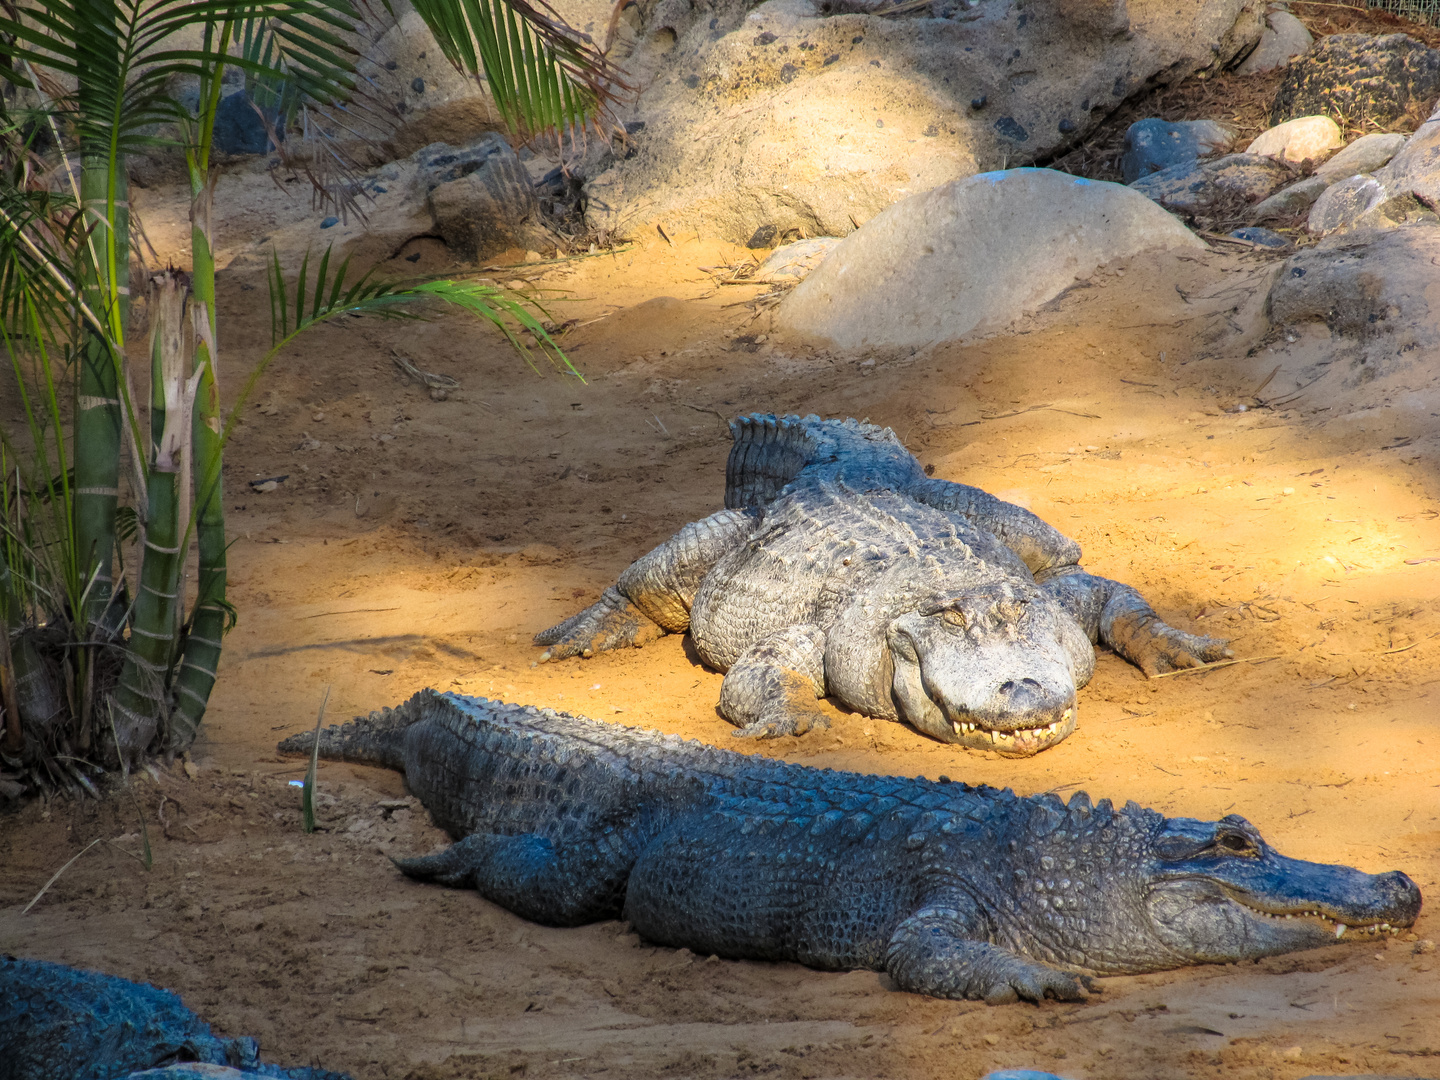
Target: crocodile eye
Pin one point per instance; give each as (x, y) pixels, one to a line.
(953, 617)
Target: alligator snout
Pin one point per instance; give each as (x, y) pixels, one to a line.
(1398, 896)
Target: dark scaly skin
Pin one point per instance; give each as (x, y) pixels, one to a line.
(840, 569)
(61, 1023)
(955, 891)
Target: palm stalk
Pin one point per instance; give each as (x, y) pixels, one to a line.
(141, 702)
(200, 655)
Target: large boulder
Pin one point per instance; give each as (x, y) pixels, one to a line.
(970, 257)
(1378, 289)
(1283, 39)
(1360, 80)
(1206, 186)
(1152, 145)
(781, 116)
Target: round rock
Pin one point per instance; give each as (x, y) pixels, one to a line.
(1307, 138)
(946, 264)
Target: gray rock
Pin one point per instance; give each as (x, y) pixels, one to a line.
(1341, 205)
(1263, 237)
(1196, 188)
(1283, 39)
(1290, 200)
(1153, 145)
(479, 195)
(1364, 155)
(945, 265)
(1376, 288)
(774, 115)
(1358, 79)
(239, 128)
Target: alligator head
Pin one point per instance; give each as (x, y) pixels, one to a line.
(993, 668)
(1132, 891)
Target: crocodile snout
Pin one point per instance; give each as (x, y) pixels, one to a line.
(1399, 897)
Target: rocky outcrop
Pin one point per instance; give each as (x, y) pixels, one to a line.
(947, 264)
(1378, 289)
(1360, 80)
(780, 116)
(1406, 189)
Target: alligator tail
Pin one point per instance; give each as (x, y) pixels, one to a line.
(377, 739)
(769, 452)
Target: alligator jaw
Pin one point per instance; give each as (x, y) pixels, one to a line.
(1017, 742)
(1345, 931)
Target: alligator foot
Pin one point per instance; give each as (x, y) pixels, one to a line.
(770, 691)
(932, 954)
(612, 622)
(1156, 647)
(782, 724)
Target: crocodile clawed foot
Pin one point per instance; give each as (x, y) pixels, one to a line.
(777, 727)
(611, 623)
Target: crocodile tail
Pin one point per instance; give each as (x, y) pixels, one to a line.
(377, 739)
(768, 453)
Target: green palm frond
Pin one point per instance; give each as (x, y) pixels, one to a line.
(325, 295)
(543, 75)
(123, 55)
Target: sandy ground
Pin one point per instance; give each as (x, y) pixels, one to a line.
(421, 543)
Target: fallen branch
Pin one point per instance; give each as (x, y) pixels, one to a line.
(1216, 664)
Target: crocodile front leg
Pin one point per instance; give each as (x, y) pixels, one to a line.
(933, 953)
(654, 594)
(772, 688)
(1118, 616)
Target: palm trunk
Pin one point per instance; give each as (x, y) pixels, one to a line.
(141, 702)
(97, 413)
(201, 657)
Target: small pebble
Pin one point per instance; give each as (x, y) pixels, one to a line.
(329, 221)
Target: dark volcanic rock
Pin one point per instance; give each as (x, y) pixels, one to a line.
(1355, 78)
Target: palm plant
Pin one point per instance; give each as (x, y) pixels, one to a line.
(93, 669)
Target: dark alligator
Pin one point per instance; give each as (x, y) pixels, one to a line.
(62, 1023)
(955, 891)
(839, 568)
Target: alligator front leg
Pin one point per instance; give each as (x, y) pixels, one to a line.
(932, 953)
(654, 594)
(529, 876)
(1118, 616)
(772, 688)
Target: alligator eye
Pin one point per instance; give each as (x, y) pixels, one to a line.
(953, 617)
(1235, 842)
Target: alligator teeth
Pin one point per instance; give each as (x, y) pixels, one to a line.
(1068, 713)
(1340, 929)
(956, 725)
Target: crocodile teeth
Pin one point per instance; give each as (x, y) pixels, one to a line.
(956, 725)
(1340, 929)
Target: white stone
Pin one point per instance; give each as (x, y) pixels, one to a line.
(1283, 39)
(1306, 138)
(971, 256)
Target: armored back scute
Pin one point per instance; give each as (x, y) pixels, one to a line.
(770, 452)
